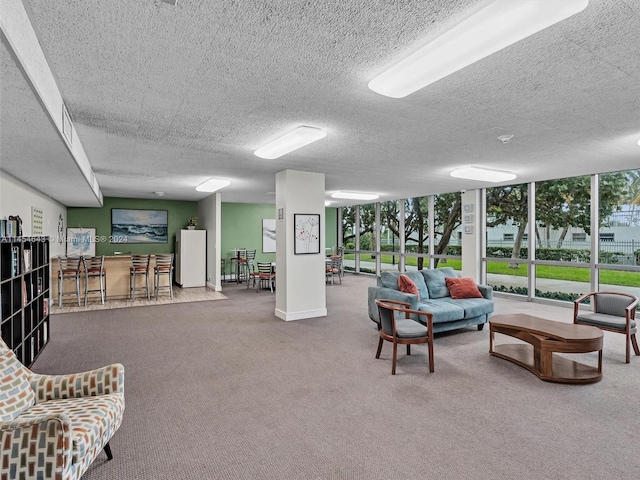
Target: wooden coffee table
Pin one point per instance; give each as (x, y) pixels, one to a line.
(546, 337)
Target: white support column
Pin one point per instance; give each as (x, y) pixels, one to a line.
(595, 232)
(402, 259)
(357, 240)
(531, 276)
(378, 231)
(471, 234)
(300, 278)
(210, 216)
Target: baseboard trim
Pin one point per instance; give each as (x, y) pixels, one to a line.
(215, 288)
(321, 312)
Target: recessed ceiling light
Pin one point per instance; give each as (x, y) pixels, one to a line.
(483, 174)
(355, 195)
(327, 203)
(497, 25)
(638, 142)
(212, 185)
(290, 141)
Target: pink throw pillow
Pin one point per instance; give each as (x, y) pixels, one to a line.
(405, 284)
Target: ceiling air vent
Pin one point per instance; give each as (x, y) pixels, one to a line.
(169, 2)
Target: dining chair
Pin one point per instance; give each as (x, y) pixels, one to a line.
(266, 275)
(68, 269)
(333, 268)
(403, 331)
(94, 269)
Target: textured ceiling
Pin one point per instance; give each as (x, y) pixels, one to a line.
(164, 97)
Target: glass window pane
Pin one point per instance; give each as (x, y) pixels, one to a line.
(349, 236)
(563, 219)
(389, 240)
(368, 227)
(507, 221)
(504, 278)
(619, 235)
(416, 230)
(562, 283)
(447, 223)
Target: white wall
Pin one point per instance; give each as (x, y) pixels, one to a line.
(17, 198)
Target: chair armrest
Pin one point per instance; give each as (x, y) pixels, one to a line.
(105, 380)
(46, 438)
(486, 291)
(384, 293)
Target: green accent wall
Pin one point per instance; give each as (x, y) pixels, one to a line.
(242, 228)
(100, 219)
(241, 225)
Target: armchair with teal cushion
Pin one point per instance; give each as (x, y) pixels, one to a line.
(54, 426)
(613, 312)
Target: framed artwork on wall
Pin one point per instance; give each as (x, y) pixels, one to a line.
(307, 233)
(139, 226)
(268, 235)
(81, 242)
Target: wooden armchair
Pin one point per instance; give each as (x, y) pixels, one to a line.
(403, 331)
(613, 312)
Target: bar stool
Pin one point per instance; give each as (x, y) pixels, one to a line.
(139, 267)
(241, 260)
(68, 269)
(164, 266)
(94, 268)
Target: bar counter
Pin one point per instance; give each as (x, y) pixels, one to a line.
(117, 275)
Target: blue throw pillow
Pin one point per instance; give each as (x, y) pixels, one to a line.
(435, 280)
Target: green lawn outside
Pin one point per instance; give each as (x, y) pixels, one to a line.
(576, 274)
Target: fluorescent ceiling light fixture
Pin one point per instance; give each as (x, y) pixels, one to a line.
(291, 141)
(212, 185)
(483, 174)
(355, 195)
(497, 25)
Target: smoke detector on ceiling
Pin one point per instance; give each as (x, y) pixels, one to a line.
(505, 138)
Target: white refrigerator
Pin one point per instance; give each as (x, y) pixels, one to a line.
(191, 258)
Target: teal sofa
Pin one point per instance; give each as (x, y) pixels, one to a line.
(448, 313)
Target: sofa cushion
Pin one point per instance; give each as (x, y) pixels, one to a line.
(405, 284)
(462, 288)
(16, 394)
(435, 280)
(473, 307)
(441, 311)
(93, 419)
(418, 279)
(389, 280)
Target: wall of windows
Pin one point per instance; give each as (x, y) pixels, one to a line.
(555, 239)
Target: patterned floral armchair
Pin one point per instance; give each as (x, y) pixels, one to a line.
(54, 426)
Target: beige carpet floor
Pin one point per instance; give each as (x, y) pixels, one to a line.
(180, 295)
(225, 390)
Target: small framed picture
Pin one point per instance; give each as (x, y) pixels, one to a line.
(467, 218)
(468, 208)
(307, 233)
(468, 229)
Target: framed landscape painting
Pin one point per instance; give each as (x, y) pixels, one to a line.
(268, 235)
(139, 226)
(81, 242)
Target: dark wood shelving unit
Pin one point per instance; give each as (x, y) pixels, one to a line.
(24, 295)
